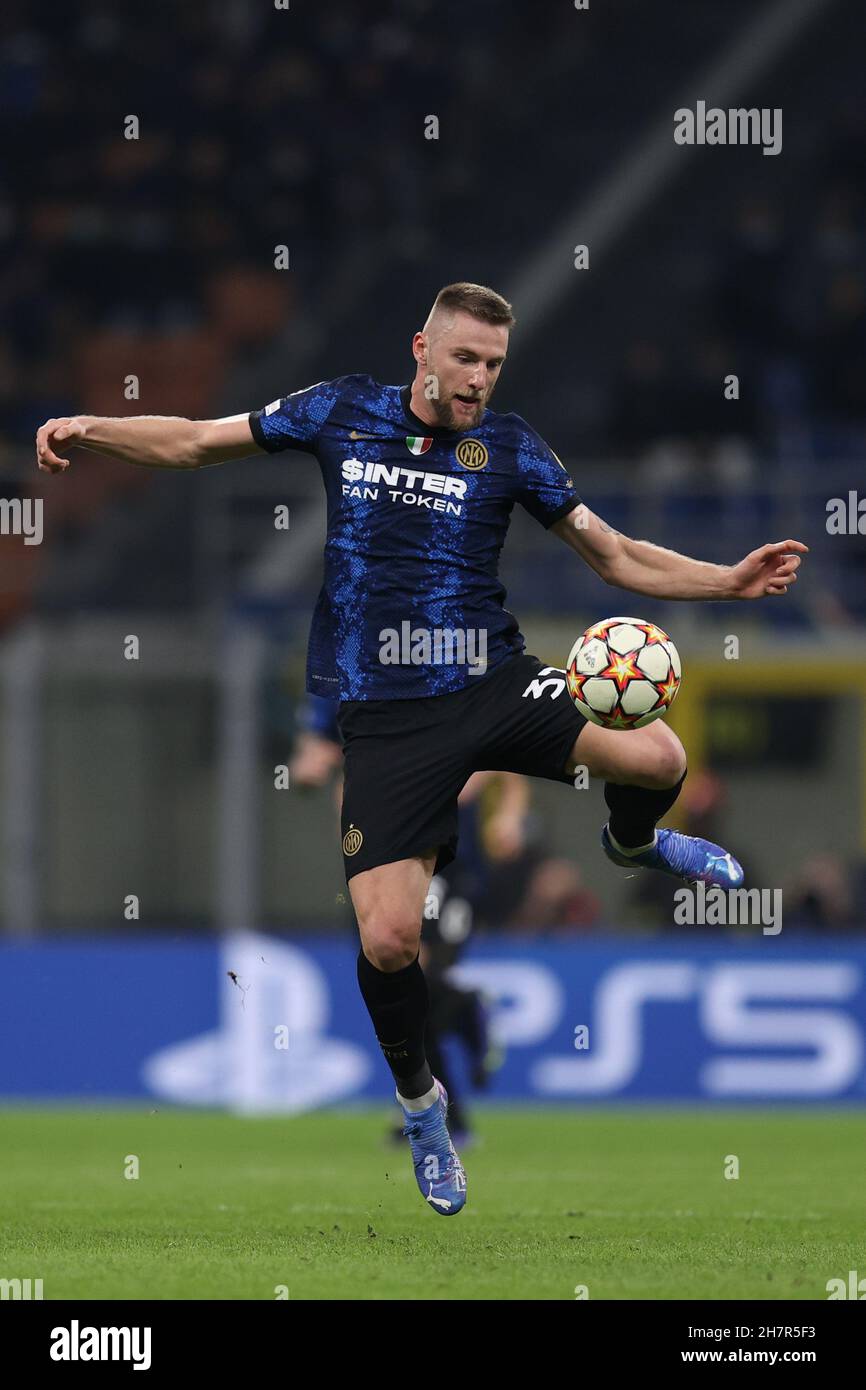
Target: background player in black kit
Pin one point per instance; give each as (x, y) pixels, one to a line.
(420, 482)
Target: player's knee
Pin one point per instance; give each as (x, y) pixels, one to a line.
(391, 945)
(668, 761)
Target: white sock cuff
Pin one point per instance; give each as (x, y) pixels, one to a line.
(621, 849)
(419, 1102)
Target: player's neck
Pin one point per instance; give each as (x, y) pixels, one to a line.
(420, 407)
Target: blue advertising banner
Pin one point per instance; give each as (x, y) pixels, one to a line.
(259, 1023)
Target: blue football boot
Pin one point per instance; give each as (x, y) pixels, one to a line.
(438, 1171)
(684, 856)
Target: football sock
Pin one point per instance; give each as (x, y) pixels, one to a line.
(634, 812)
(623, 849)
(397, 1003)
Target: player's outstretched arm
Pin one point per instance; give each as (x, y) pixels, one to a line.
(153, 441)
(649, 569)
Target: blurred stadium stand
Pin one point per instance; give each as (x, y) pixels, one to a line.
(154, 257)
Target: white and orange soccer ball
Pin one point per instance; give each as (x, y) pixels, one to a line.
(623, 673)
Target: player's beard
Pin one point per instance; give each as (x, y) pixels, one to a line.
(447, 418)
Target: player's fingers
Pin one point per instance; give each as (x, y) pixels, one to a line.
(777, 546)
(48, 461)
(47, 435)
(784, 569)
(42, 435)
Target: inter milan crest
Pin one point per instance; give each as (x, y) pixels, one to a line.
(352, 841)
(472, 454)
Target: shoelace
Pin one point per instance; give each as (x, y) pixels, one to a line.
(452, 1163)
(414, 1129)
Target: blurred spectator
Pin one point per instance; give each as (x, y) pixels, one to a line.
(821, 897)
(556, 897)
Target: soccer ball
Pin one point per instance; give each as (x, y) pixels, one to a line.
(623, 673)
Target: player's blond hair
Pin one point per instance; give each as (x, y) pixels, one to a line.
(478, 300)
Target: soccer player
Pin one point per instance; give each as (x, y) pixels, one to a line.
(410, 631)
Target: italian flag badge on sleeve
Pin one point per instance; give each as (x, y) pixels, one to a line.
(416, 445)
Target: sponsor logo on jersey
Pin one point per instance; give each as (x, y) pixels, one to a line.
(393, 476)
(352, 841)
(356, 434)
(416, 445)
(472, 454)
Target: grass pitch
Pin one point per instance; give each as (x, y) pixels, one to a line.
(633, 1203)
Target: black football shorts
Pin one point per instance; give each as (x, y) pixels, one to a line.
(406, 761)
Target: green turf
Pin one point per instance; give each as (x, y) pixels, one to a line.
(632, 1203)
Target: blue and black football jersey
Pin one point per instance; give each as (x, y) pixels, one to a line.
(417, 516)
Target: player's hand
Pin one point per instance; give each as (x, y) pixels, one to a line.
(53, 433)
(767, 570)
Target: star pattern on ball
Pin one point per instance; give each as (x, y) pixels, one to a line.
(621, 670)
(620, 720)
(598, 630)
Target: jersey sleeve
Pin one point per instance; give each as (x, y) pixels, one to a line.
(319, 715)
(544, 486)
(294, 421)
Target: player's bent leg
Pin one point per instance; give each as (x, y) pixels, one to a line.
(644, 770)
(652, 757)
(389, 903)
